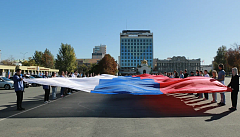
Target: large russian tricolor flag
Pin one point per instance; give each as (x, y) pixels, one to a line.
(144, 84)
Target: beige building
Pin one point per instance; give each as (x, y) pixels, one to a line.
(178, 63)
(99, 52)
(4, 69)
(87, 62)
(35, 70)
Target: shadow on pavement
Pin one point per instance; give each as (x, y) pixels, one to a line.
(84, 104)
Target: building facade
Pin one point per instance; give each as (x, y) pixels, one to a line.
(178, 63)
(135, 46)
(207, 67)
(99, 52)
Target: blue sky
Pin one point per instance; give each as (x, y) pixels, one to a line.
(194, 29)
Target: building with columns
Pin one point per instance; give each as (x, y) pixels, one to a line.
(32, 70)
(178, 63)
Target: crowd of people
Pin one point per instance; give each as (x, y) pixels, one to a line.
(220, 76)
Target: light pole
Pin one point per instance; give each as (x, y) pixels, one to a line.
(23, 55)
(0, 56)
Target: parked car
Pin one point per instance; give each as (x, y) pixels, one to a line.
(6, 83)
(37, 76)
(31, 77)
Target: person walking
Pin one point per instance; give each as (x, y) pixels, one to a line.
(214, 95)
(54, 88)
(234, 84)
(176, 74)
(62, 88)
(46, 89)
(19, 88)
(221, 78)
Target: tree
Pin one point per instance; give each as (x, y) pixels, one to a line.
(107, 65)
(47, 59)
(66, 58)
(220, 57)
(29, 62)
(38, 58)
(233, 56)
(83, 69)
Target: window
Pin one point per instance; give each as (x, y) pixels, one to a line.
(134, 43)
(147, 50)
(125, 40)
(137, 53)
(131, 57)
(134, 53)
(128, 57)
(122, 40)
(134, 60)
(146, 40)
(143, 40)
(131, 40)
(137, 50)
(128, 41)
(143, 43)
(140, 50)
(129, 47)
(122, 57)
(131, 50)
(134, 40)
(128, 53)
(134, 50)
(144, 47)
(131, 64)
(131, 43)
(147, 53)
(122, 43)
(150, 43)
(137, 43)
(125, 57)
(150, 40)
(128, 60)
(138, 40)
(128, 64)
(134, 46)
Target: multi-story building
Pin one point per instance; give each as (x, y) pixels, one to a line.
(135, 46)
(99, 52)
(178, 63)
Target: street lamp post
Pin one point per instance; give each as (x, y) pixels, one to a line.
(23, 55)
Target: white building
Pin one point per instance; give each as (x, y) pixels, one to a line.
(207, 67)
(144, 68)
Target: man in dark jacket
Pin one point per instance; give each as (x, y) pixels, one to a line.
(19, 88)
(185, 73)
(46, 89)
(234, 84)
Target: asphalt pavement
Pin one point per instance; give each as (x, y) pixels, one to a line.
(97, 115)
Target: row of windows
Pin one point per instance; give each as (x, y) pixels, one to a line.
(132, 64)
(137, 47)
(137, 50)
(136, 43)
(136, 54)
(134, 60)
(136, 57)
(136, 40)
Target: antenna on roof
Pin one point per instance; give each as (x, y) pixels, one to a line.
(126, 24)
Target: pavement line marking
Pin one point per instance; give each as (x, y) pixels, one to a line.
(33, 108)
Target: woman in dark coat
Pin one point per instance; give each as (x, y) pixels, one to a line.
(234, 84)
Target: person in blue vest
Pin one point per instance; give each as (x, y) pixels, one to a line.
(19, 88)
(46, 89)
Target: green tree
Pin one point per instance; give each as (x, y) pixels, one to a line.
(107, 65)
(66, 58)
(47, 59)
(29, 62)
(220, 57)
(38, 58)
(83, 69)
